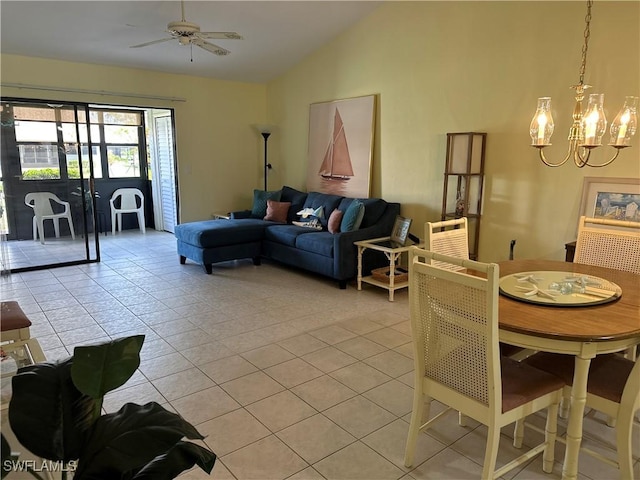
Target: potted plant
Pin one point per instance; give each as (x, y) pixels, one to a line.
(87, 196)
(56, 413)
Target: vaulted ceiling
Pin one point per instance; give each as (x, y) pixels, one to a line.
(276, 34)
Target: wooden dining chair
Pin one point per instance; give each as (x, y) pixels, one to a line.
(454, 325)
(613, 388)
(15, 333)
(609, 243)
(451, 237)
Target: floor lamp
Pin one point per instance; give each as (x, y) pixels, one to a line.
(267, 166)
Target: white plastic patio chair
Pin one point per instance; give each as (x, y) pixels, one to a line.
(129, 198)
(454, 324)
(43, 210)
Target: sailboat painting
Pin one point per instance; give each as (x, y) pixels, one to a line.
(340, 146)
(336, 164)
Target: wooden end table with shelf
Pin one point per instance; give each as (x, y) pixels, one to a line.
(392, 253)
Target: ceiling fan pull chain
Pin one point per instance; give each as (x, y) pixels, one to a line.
(191, 50)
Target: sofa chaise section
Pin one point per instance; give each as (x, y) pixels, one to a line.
(213, 241)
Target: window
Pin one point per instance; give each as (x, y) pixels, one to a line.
(69, 135)
(37, 140)
(122, 138)
(47, 141)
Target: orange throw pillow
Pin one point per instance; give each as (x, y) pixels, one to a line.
(335, 219)
(277, 211)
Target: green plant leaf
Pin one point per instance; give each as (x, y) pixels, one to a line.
(5, 453)
(181, 457)
(98, 369)
(47, 413)
(129, 439)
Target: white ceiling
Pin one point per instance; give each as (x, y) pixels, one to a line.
(277, 34)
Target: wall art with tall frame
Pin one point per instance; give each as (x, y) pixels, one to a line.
(341, 146)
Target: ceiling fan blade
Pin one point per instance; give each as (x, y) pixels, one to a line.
(221, 35)
(151, 43)
(210, 47)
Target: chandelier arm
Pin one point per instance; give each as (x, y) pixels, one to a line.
(607, 162)
(579, 159)
(549, 164)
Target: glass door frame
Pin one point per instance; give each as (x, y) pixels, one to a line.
(13, 174)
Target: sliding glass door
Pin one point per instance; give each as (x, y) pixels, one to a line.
(48, 162)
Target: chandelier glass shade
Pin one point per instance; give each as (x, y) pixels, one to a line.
(590, 125)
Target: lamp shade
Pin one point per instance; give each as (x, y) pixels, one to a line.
(264, 128)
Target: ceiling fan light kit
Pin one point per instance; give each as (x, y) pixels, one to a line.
(188, 33)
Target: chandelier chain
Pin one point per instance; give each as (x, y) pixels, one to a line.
(585, 47)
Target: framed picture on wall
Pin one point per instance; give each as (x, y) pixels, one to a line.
(341, 146)
(611, 197)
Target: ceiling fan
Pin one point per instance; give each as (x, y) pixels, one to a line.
(188, 33)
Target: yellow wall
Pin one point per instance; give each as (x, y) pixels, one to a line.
(219, 153)
(441, 67)
(436, 67)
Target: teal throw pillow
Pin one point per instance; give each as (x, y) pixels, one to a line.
(260, 197)
(352, 217)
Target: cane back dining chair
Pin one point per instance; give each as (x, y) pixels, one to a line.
(454, 324)
(43, 210)
(129, 199)
(613, 388)
(451, 237)
(616, 247)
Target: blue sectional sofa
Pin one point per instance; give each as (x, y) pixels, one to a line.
(248, 235)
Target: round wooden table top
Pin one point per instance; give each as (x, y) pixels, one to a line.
(617, 320)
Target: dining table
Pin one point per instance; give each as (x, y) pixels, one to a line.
(583, 331)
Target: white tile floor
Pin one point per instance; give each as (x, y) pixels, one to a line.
(287, 376)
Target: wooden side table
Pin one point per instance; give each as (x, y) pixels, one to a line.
(392, 253)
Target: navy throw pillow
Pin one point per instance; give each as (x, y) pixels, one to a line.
(260, 197)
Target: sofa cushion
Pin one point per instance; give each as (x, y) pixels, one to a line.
(284, 234)
(333, 224)
(277, 211)
(352, 217)
(374, 208)
(215, 233)
(297, 199)
(320, 243)
(260, 197)
(326, 201)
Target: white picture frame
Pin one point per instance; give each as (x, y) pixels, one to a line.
(611, 197)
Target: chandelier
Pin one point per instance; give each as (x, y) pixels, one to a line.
(588, 128)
